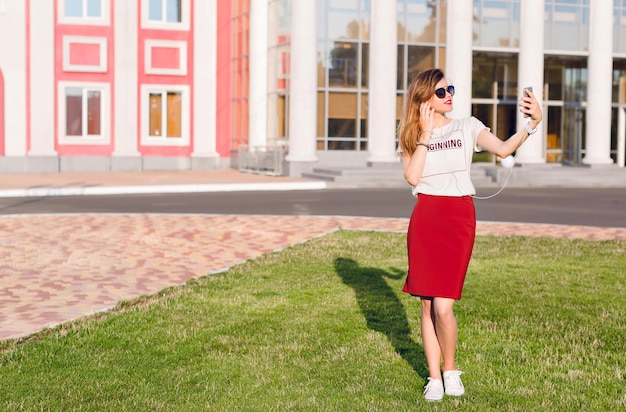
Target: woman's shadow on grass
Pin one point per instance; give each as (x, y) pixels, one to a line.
(382, 309)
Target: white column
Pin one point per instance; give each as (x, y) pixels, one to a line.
(13, 67)
(530, 68)
(381, 113)
(273, 69)
(303, 82)
(41, 99)
(458, 70)
(126, 128)
(257, 98)
(205, 81)
(621, 137)
(599, 87)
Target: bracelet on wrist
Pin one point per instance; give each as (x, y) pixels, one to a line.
(422, 144)
(529, 130)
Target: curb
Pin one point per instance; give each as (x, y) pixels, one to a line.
(156, 189)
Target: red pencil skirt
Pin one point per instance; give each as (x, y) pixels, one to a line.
(440, 240)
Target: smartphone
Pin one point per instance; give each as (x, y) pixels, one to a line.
(530, 89)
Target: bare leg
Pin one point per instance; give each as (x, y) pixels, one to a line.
(431, 344)
(446, 330)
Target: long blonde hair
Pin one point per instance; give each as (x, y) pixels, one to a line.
(420, 90)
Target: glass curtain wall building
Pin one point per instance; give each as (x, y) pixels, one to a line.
(503, 53)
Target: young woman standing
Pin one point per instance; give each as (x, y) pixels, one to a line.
(436, 154)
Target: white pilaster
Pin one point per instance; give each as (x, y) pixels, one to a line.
(41, 59)
(205, 83)
(599, 88)
(381, 113)
(273, 69)
(257, 98)
(13, 67)
(530, 68)
(303, 82)
(458, 70)
(126, 128)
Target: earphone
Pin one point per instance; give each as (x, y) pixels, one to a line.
(507, 164)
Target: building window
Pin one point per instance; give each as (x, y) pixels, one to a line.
(83, 11)
(166, 14)
(165, 11)
(83, 113)
(343, 49)
(83, 8)
(166, 115)
(567, 25)
(496, 23)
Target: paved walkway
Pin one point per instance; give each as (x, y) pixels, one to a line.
(56, 268)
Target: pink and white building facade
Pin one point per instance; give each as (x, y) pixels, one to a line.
(130, 85)
(109, 85)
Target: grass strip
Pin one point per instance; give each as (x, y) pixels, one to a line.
(324, 326)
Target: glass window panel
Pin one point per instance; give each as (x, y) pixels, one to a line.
(419, 58)
(94, 104)
(343, 19)
(174, 114)
(321, 114)
(553, 135)
(506, 122)
(400, 69)
(322, 63)
(442, 25)
(342, 105)
(567, 28)
(421, 21)
(94, 8)
(73, 112)
(73, 8)
(365, 64)
(442, 57)
(283, 115)
(322, 22)
(343, 65)
(554, 80)
(155, 10)
(496, 24)
(365, 19)
(619, 81)
(484, 112)
(506, 69)
(156, 108)
(483, 77)
(342, 113)
(174, 11)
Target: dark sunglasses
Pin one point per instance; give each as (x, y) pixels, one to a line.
(441, 92)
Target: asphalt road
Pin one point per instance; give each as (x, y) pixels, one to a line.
(604, 207)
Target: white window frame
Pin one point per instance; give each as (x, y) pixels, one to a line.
(105, 98)
(69, 67)
(103, 20)
(146, 139)
(184, 24)
(180, 45)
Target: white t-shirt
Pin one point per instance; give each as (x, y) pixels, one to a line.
(449, 159)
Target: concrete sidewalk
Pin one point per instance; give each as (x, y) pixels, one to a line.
(223, 180)
(110, 183)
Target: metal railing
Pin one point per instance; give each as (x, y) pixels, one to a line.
(266, 160)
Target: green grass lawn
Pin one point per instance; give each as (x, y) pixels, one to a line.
(324, 326)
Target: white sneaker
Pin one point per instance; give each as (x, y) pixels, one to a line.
(453, 384)
(433, 390)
